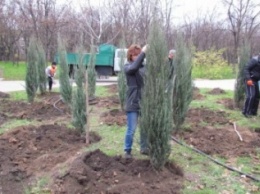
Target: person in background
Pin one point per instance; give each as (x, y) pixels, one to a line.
(171, 57)
(134, 71)
(252, 76)
(50, 73)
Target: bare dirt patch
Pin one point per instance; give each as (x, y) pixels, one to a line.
(97, 173)
(26, 152)
(219, 136)
(216, 91)
(227, 102)
(114, 117)
(50, 107)
(4, 95)
(197, 95)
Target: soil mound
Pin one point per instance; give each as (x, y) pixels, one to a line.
(96, 172)
(26, 152)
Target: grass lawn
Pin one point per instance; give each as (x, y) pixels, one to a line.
(12, 71)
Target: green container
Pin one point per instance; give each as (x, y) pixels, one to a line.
(104, 56)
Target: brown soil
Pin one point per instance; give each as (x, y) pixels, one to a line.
(49, 108)
(197, 95)
(219, 137)
(27, 152)
(48, 148)
(97, 173)
(4, 95)
(114, 117)
(216, 91)
(227, 102)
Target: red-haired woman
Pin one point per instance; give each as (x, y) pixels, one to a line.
(134, 71)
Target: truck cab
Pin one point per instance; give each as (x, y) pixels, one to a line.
(119, 55)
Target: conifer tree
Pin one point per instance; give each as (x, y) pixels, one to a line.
(92, 75)
(31, 79)
(156, 117)
(79, 96)
(182, 83)
(41, 69)
(64, 80)
(121, 80)
(239, 93)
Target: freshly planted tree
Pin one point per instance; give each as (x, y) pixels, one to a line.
(239, 93)
(92, 76)
(121, 80)
(41, 69)
(64, 80)
(79, 97)
(31, 79)
(183, 85)
(156, 117)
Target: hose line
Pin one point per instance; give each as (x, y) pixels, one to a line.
(217, 162)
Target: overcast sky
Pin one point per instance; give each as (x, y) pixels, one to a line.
(182, 9)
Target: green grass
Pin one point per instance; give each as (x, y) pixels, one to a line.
(12, 124)
(13, 72)
(17, 72)
(213, 72)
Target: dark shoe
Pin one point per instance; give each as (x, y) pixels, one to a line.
(144, 152)
(247, 115)
(128, 155)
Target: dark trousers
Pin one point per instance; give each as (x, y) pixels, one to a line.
(252, 99)
(50, 82)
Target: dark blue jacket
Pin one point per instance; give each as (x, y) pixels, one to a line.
(252, 69)
(134, 72)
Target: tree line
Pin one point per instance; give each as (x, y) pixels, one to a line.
(115, 20)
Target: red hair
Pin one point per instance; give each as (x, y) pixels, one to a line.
(133, 50)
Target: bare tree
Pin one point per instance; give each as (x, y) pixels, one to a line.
(242, 16)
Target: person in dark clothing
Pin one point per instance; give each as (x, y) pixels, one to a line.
(252, 76)
(134, 71)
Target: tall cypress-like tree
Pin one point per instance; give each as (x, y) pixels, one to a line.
(31, 79)
(121, 80)
(41, 69)
(64, 80)
(183, 85)
(92, 75)
(79, 96)
(156, 117)
(239, 93)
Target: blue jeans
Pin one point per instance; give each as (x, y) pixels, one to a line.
(132, 120)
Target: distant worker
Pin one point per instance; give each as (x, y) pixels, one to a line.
(252, 76)
(171, 57)
(50, 72)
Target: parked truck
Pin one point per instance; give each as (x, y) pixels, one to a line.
(107, 60)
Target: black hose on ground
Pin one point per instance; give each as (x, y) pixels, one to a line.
(217, 162)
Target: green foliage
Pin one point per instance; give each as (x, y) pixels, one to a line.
(41, 69)
(121, 80)
(183, 86)
(92, 73)
(210, 64)
(156, 120)
(31, 79)
(65, 85)
(79, 97)
(239, 93)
